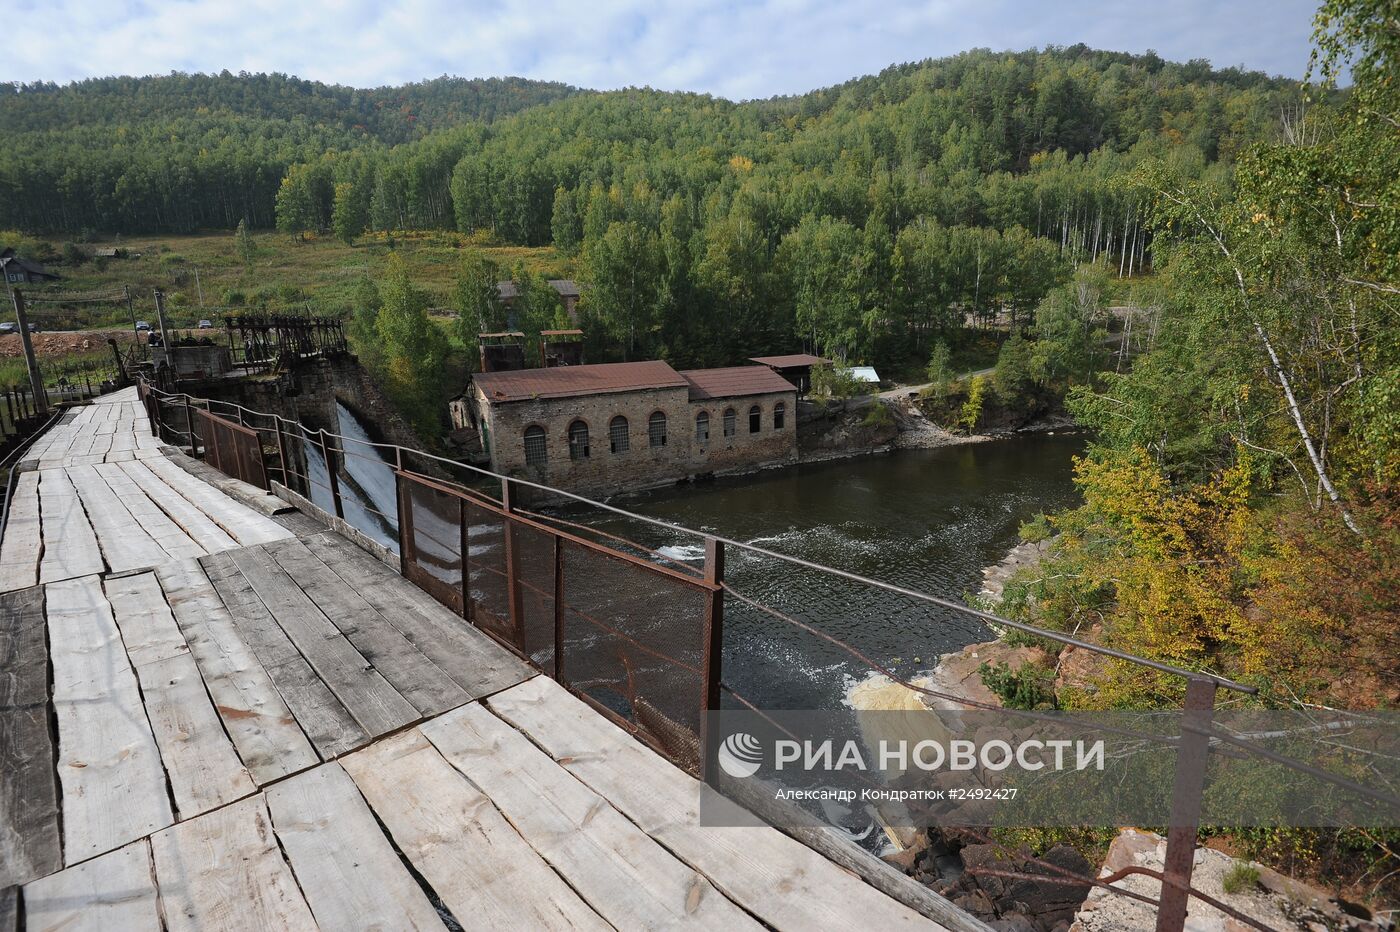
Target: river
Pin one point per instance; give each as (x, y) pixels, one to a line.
(925, 519)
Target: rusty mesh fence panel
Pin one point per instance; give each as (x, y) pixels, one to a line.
(488, 585)
(232, 449)
(534, 561)
(634, 642)
(170, 420)
(431, 540)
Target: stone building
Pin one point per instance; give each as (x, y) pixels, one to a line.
(606, 428)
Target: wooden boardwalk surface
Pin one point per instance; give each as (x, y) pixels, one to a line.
(208, 721)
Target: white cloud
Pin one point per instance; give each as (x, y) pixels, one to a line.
(734, 49)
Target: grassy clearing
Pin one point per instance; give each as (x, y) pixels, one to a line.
(284, 275)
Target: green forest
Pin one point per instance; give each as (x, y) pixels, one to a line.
(861, 220)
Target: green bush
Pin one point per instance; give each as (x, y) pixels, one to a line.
(235, 298)
(972, 408)
(834, 382)
(878, 416)
(1030, 687)
(1240, 878)
(1036, 529)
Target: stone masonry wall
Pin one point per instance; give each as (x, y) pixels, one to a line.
(642, 465)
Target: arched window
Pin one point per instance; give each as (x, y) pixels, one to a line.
(702, 427)
(656, 429)
(779, 412)
(536, 453)
(618, 439)
(755, 420)
(578, 441)
(729, 418)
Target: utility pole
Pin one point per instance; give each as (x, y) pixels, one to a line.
(199, 287)
(160, 317)
(36, 380)
(126, 293)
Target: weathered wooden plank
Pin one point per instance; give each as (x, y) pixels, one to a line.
(124, 542)
(29, 829)
(478, 664)
(23, 541)
(485, 873)
(319, 713)
(70, 546)
(148, 628)
(112, 893)
(9, 909)
(191, 520)
(347, 869)
(258, 721)
(108, 764)
(203, 767)
(417, 678)
(223, 870)
(241, 522)
(168, 534)
(622, 873)
(751, 865)
(365, 693)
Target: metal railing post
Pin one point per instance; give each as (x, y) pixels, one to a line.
(558, 609)
(189, 428)
(1187, 788)
(334, 478)
(405, 523)
(513, 599)
(281, 451)
(714, 647)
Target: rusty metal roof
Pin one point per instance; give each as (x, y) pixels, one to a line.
(567, 381)
(788, 362)
(734, 381)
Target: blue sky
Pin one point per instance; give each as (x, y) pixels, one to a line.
(736, 49)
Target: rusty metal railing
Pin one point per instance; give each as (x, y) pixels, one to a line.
(618, 631)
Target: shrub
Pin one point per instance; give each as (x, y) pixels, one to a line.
(972, 408)
(235, 298)
(878, 416)
(1036, 530)
(1240, 878)
(834, 382)
(1030, 687)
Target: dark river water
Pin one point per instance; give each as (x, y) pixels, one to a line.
(925, 519)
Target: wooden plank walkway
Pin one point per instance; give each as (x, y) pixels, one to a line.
(209, 721)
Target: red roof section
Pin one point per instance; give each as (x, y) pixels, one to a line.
(736, 380)
(564, 381)
(788, 362)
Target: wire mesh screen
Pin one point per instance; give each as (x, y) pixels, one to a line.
(232, 449)
(170, 420)
(533, 549)
(634, 642)
(489, 586)
(431, 537)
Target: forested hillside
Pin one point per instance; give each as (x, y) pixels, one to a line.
(183, 152)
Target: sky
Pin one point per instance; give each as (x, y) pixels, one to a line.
(738, 50)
